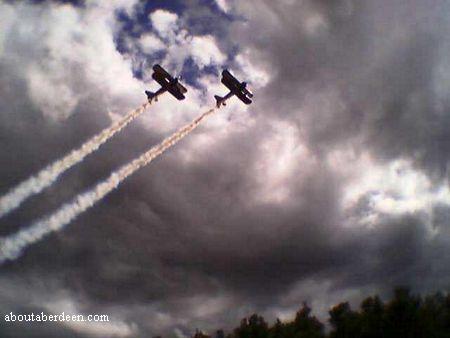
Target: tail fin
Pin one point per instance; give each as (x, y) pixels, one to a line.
(150, 95)
(219, 101)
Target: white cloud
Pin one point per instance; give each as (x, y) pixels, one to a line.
(105, 8)
(315, 23)
(280, 153)
(50, 93)
(202, 49)
(205, 52)
(164, 22)
(394, 188)
(181, 45)
(252, 71)
(67, 54)
(150, 43)
(223, 5)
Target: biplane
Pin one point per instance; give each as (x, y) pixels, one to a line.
(168, 84)
(236, 88)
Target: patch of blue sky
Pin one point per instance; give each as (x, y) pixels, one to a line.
(191, 72)
(139, 22)
(198, 17)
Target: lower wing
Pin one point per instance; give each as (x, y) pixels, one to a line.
(243, 97)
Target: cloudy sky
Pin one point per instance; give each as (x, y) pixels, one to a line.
(332, 186)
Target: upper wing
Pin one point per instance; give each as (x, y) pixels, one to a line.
(235, 86)
(161, 76)
(160, 71)
(177, 90)
(166, 81)
(161, 79)
(229, 80)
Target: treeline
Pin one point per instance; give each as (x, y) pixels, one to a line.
(404, 316)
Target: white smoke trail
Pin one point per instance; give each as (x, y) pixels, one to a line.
(12, 247)
(47, 176)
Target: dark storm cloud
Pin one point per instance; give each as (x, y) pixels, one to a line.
(402, 252)
(346, 73)
(379, 62)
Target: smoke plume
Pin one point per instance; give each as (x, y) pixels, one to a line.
(47, 176)
(12, 247)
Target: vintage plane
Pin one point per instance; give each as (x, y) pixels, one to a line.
(168, 83)
(236, 88)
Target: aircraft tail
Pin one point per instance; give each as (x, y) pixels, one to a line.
(150, 95)
(219, 101)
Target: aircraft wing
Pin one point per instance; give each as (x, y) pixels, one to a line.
(161, 72)
(177, 90)
(235, 86)
(229, 80)
(161, 79)
(243, 97)
(161, 76)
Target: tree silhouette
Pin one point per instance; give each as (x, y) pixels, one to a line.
(307, 326)
(253, 327)
(404, 316)
(371, 321)
(345, 322)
